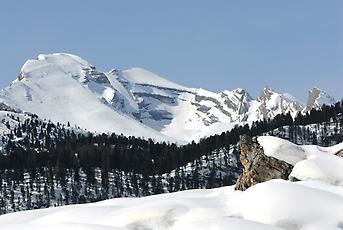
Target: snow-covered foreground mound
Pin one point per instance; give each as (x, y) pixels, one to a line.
(310, 162)
(277, 204)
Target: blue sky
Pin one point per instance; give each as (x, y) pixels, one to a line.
(290, 46)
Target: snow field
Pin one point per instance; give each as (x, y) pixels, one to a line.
(275, 204)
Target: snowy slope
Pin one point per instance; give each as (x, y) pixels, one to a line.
(50, 87)
(144, 77)
(65, 88)
(312, 203)
(271, 205)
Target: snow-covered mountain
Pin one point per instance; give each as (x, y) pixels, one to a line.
(65, 88)
(271, 103)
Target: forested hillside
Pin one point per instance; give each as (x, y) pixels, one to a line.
(45, 164)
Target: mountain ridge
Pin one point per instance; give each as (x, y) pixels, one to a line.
(66, 88)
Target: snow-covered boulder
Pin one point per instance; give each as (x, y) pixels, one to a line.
(310, 162)
(258, 167)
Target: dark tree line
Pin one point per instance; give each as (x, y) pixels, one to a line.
(44, 144)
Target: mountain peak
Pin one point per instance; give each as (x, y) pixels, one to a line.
(267, 89)
(272, 103)
(317, 98)
(266, 93)
(239, 93)
(54, 64)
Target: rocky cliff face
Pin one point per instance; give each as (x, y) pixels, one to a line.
(317, 98)
(257, 167)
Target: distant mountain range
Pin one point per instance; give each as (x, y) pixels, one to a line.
(66, 88)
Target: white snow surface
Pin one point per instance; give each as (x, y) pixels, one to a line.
(277, 204)
(271, 205)
(141, 76)
(310, 162)
(282, 149)
(51, 88)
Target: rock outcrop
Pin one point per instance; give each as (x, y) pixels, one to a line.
(257, 167)
(339, 153)
(317, 98)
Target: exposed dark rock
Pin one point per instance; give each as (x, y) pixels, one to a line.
(339, 153)
(240, 101)
(4, 107)
(99, 77)
(218, 105)
(202, 108)
(21, 76)
(164, 99)
(257, 167)
(159, 115)
(313, 98)
(210, 120)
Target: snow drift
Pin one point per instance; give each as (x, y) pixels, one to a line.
(310, 162)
